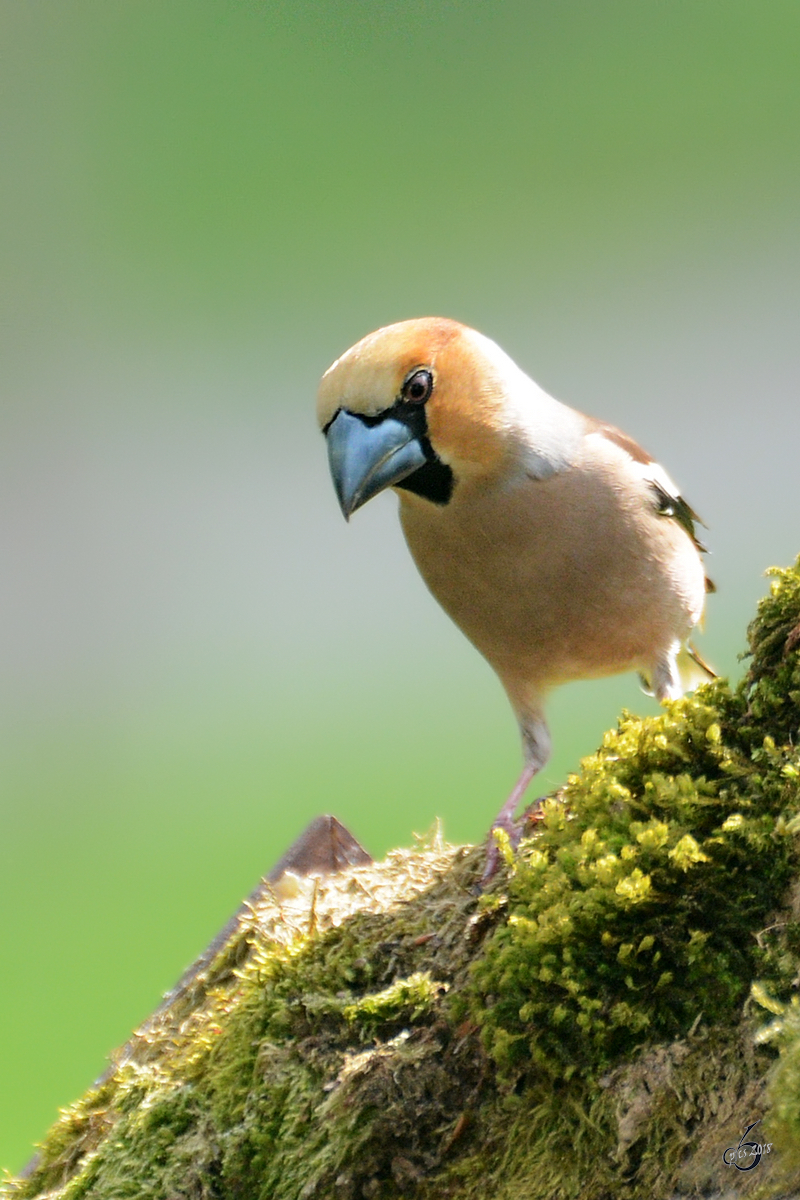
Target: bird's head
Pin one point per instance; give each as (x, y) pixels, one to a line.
(421, 405)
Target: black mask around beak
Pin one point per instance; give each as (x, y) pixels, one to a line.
(367, 457)
(369, 454)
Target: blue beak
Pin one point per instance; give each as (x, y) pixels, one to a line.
(366, 459)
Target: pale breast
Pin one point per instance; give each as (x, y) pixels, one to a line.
(558, 579)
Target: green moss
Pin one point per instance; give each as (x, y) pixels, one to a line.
(589, 1028)
(784, 1079)
(630, 913)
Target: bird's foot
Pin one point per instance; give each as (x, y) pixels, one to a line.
(515, 831)
(494, 848)
(505, 821)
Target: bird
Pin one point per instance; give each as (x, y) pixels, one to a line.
(560, 548)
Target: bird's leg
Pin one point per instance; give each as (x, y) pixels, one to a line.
(505, 820)
(666, 677)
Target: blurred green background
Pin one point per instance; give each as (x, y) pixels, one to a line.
(202, 205)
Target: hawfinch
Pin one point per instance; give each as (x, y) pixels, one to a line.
(552, 539)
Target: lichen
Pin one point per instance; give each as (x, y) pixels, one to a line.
(606, 1020)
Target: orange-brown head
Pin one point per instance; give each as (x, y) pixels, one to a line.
(420, 405)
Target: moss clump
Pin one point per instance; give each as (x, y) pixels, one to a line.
(630, 913)
(589, 1028)
(784, 1084)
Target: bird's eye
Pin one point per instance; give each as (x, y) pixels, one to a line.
(418, 387)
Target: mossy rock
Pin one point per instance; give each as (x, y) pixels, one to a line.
(605, 1022)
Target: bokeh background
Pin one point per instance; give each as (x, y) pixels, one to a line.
(202, 205)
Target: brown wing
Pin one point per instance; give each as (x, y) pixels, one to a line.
(612, 434)
(677, 508)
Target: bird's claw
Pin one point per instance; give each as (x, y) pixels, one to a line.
(514, 830)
